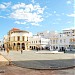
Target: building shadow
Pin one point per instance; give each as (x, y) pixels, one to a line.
(45, 64)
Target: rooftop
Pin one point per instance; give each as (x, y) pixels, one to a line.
(72, 28)
(17, 30)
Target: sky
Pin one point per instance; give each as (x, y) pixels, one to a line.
(36, 15)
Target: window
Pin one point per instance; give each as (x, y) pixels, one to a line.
(53, 41)
(51, 47)
(56, 41)
(22, 38)
(64, 40)
(14, 44)
(60, 35)
(8, 45)
(27, 38)
(70, 40)
(32, 41)
(72, 31)
(30, 47)
(14, 38)
(9, 38)
(18, 38)
(40, 41)
(41, 33)
(60, 41)
(36, 41)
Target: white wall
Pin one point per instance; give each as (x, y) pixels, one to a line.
(40, 41)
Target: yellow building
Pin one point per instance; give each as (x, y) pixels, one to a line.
(16, 39)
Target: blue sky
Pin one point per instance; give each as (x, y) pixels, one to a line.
(36, 15)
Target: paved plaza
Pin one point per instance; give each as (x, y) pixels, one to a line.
(34, 60)
(14, 70)
(3, 61)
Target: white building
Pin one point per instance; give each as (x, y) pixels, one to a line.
(60, 41)
(70, 32)
(44, 34)
(38, 42)
(17, 39)
(53, 36)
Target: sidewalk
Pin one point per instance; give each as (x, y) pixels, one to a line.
(49, 52)
(3, 61)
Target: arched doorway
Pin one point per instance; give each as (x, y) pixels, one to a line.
(18, 46)
(14, 46)
(23, 46)
(32, 47)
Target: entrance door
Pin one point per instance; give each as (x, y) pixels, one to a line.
(18, 46)
(23, 46)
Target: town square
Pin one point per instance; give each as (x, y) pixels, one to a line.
(37, 37)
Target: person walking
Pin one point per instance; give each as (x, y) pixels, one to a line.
(21, 51)
(64, 50)
(8, 50)
(4, 49)
(37, 48)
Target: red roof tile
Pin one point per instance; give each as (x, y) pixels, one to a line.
(15, 29)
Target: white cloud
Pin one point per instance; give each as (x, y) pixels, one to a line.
(30, 13)
(35, 24)
(57, 14)
(54, 12)
(33, 1)
(63, 13)
(2, 6)
(18, 22)
(5, 5)
(69, 2)
(29, 7)
(2, 17)
(19, 5)
(71, 15)
(69, 22)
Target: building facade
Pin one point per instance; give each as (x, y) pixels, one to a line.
(38, 42)
(16, 39)
(60, 41)
(70, 32)
(19, 39)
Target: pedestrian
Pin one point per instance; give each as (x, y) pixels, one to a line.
(21, 51)
(8, 50)
(4, 49)
(64, 50)
(37, 48)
